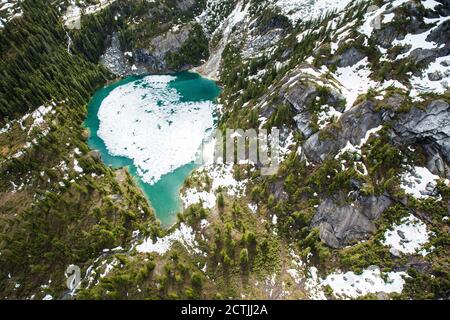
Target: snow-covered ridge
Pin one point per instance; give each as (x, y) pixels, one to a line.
(436, 77)
(305, 10)
(357, 77)
(74, 12)
(146, 122)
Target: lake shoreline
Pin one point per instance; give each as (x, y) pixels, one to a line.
(164, 195)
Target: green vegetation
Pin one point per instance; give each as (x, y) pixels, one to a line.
(36, 66)
(193, 50)
(53, 215)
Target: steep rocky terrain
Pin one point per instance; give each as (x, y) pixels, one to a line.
(358, 209)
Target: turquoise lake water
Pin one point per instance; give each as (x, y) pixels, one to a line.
(164, 196)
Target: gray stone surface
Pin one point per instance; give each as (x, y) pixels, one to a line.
(431, 126)
(350, 57)
(116, 61)
(301, 97)
(154, 57)
(386, 36)
(435, 76)
(145, 60)
(435, 161)
(340, 225)
(354, 125)
(171, 41)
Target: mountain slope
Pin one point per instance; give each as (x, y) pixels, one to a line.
(358, 209)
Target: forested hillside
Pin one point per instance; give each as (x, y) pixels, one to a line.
(359, 208)
(59, 204)
(36, 65)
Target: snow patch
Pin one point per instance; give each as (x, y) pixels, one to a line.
(184, 235)
(419, 182)
(306, 10)
(351, 285)
(193, 196)
(327, 115)
(355, 80)
(76, 166)
(222, 177)
(426, 83)
(407, 237)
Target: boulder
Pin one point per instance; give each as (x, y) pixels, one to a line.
(95, 154)
(340, 225)
(277, 189)
(318, 150)
(435, 76)
(350, 57)
(358, 120)
(336, 100)
(423, 55)
(445, 63)
(416, 263)
(303, 121)
(386, 36)
(443, 9)
(301, 97)
(440, 35)
(435, 161)
(353, 124)
(430, 127)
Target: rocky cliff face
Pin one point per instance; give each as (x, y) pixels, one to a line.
(427, 127)
(154, 58)
(342, 225)
(318, 149)
(159, 31)
(431, 128)
(118, 62)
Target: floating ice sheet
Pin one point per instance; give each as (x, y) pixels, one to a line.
(146, 121)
